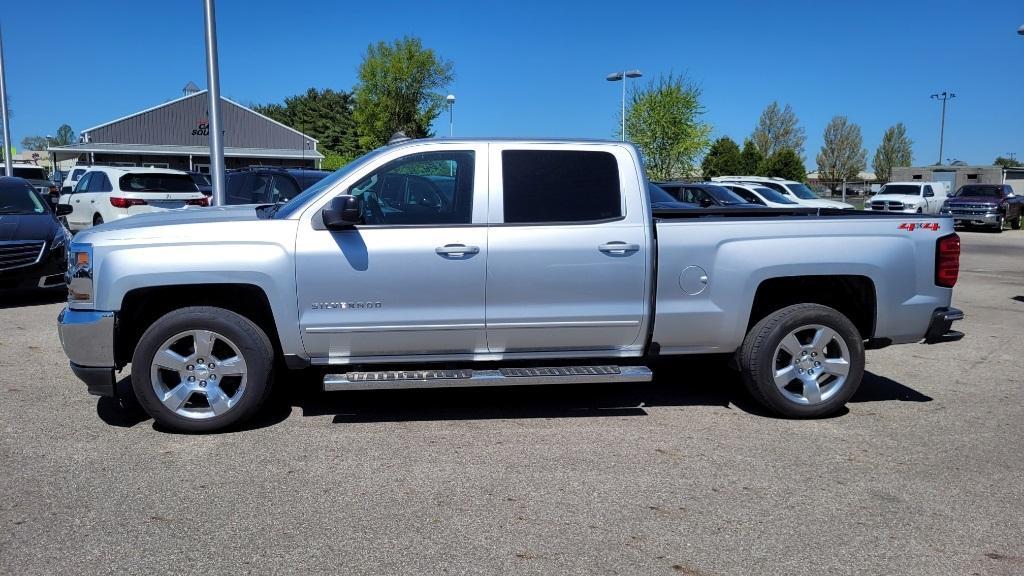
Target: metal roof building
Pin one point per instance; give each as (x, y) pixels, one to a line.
(176, 134)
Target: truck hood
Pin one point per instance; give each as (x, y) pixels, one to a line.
(156, 223)
(990, 200)
(905, 198)
(15, 227)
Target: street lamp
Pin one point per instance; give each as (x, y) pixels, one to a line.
(942, 127)
(451, 118)
(621, 76)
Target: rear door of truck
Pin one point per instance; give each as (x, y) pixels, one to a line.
(568, 261)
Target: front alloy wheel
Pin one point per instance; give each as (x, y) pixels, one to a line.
(198, 374)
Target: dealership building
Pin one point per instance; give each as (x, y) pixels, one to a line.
(176, 135)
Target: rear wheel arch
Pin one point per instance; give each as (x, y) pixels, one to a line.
(141, 307)
(854, 296)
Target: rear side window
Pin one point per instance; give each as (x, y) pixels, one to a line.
(745, 194)
(157, 182)
(543, 186)
(29, 173)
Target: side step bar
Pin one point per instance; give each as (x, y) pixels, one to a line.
(500, 377)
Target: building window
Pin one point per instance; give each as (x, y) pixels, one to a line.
(972, 176)
(917, 176)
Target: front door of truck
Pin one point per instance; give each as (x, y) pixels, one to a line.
(568, 255)
(408, 282)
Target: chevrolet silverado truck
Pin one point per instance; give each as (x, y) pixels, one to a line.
(444, 263)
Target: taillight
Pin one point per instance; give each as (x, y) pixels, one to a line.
(947, 261)
(117, 202)
(198, 202)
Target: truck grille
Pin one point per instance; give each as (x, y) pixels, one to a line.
(16, 254)
(965, 211)
(886, 205)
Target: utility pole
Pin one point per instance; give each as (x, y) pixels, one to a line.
(8, 171)
(944, 96)
(213, 91)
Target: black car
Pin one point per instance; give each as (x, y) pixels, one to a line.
(662, 200)
(202, 182)
(268, 184)
(705, 195)
(33, 244)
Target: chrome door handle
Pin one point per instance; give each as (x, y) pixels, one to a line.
(456, 250)
(618, 248)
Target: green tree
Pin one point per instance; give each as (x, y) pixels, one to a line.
(895, 150)
(753, 160)
(398, 89)
(323, 114)
(33, 143)
(841, 156)
(785, 163)
(1007, 162)
(332, 160)
(65, 135)
(663, 120)
(722, 159)
(778, 128)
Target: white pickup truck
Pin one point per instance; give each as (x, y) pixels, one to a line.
(435, 263)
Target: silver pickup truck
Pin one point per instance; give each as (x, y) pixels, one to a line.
(434, 263)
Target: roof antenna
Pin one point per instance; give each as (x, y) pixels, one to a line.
(398, 137)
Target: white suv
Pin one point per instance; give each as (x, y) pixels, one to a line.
(796, 191)
(107, 193)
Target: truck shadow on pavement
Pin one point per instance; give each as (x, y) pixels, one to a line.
(21, 299)
(689, 383)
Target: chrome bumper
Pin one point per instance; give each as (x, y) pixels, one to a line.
(87, 336)
(989, 218)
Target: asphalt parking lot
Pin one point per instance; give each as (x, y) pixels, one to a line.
(923, 474)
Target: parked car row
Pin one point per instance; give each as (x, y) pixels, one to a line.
(748, 192)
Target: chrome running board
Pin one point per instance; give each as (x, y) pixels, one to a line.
(501, 377)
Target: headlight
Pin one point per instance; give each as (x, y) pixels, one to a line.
(79, 275)
(61, 238)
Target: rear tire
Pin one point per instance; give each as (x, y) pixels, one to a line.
(202, 369)
(97, 220)
(803, 361)
(1015, 223)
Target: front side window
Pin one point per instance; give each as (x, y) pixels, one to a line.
(547, 186)
(83, 183)
(426, 188)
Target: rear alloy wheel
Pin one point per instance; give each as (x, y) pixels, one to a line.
(803, 361)
(202, 369)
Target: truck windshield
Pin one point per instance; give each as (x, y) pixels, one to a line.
(298, 203)
(979, 191)
(802, 191)
(773, 196)
(904, 189)
(29, 172)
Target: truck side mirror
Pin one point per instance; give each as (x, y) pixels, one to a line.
(342, 212)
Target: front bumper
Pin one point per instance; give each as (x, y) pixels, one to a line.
(48, 272)
(940, 328)
(87, 337)
(986, 219)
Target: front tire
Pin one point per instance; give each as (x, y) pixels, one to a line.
(803, 361)
(202, 369)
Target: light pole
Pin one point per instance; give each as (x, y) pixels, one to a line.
(8, 171)
(944, 96)
(213, 92)
(451, 114)
(621, 77)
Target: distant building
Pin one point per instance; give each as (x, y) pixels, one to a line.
(956, 176)
(175, 134)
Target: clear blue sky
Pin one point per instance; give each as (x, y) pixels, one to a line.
(537, 68)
